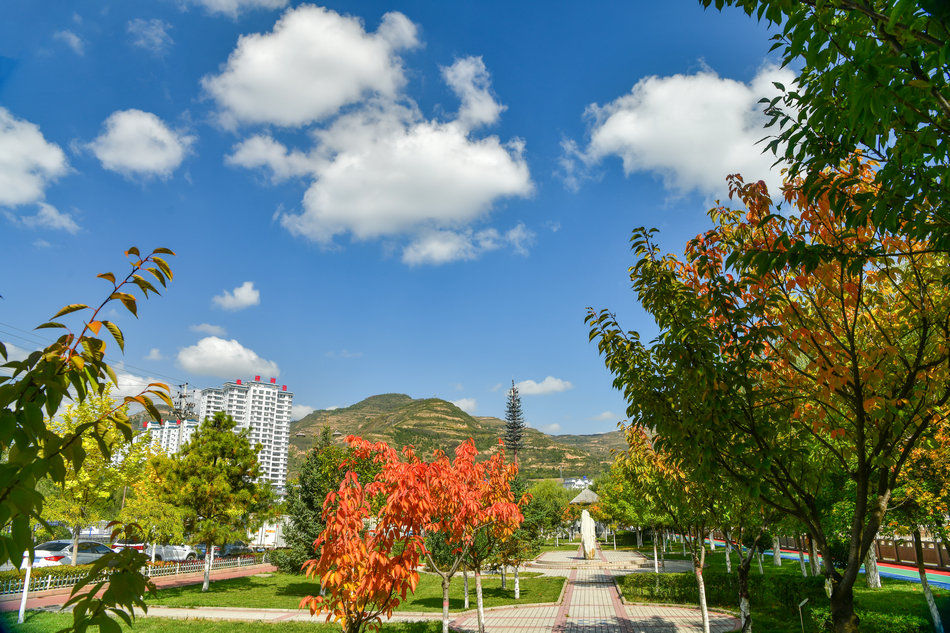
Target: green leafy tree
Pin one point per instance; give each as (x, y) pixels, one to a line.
(146, 506)
(74, 367)
(548, 504)
(321, 473)
(214, 479)
(84, 496)
(514, 423)
(812, 374)
(873, 79)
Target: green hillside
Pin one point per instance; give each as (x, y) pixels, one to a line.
(431, 423)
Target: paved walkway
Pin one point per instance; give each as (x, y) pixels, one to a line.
(56, 597)
(592, 603)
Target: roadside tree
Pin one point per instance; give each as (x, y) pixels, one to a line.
(73, 368)
(813, 373)
(213, 479)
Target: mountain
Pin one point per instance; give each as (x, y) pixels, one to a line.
(431, 423)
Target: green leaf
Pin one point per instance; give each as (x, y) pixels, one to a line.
(73, 307)
(116, 334)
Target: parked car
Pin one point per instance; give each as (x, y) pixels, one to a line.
(162, 552)
(237, 548)
(61, 552)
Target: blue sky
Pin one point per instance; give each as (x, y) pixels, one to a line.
(366, 198)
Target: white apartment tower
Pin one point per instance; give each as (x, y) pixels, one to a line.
(168, 436)
(264, 409)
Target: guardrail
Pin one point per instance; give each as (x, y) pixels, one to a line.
(156, 570)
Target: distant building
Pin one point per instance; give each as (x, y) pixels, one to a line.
(264, 409)
(577, 483)
(169, 436)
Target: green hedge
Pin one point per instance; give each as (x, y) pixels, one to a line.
(873, 622)
(722, 589)
(45, 572)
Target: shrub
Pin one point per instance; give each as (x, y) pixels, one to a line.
(873, 621)
(45, 572)
(722, 589)
(286, 560)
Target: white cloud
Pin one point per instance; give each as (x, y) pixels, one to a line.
(606, 415)
(71, 40)
(137, 143)
(468, 405)
(691, 130)
(554, 427)
(343, 353)
(132, 384)
(299, 411)
(443, 246)
(154, 354)
(47, 217)
(213, 356)
(152, 35)
(14, 352)
(546, 386)
(41, 243)
(469, 79)
(496, 387)
(207, 328)
(385, 172)
(28, 163)
(233, 8)
(332, 408)
(378, 168)
(244, 296)
(313, 62)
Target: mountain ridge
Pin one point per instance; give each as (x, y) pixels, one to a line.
(433, 423)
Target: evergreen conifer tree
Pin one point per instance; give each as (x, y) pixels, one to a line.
(214, 480)
(514, 423)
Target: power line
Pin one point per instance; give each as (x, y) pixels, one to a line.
(46, 341)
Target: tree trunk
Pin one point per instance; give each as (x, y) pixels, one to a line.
(517, 585)
(656, 556)
(663, 551)
(683, 541)
(75, 549)
(445, 604)
(812, 556)
(154, 548)
(728, 553)
(712, 542)
(465, 579)
(871, 574)
(479, 605)
(504, 578)
(776, 551)
(698, 570)
(801, 555)
(615, 539)
(640, 538)
(758, 557)
(556, 543)
(843, 616)
(209, 559)
(928, 594)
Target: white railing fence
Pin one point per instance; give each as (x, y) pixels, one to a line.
(158, 570)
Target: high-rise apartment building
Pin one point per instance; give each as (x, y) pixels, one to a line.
(168, 436)
(264, 409)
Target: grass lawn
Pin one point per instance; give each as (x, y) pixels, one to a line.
(284, 591)
(895, 597)
(42, 622)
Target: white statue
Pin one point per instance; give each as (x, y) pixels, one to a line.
(588, 541)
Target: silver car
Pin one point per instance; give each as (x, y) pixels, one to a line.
(61, 552)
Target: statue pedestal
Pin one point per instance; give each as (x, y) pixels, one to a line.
(588, 539)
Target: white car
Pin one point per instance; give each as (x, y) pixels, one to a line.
(162, 552)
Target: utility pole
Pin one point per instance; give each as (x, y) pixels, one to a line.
(184, 410)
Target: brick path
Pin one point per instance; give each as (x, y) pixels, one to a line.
(592, 604)
(56, 597)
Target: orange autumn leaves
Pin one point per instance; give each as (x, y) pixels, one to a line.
(855, 343)
(375, 531)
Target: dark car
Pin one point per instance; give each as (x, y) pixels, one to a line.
(236, 549)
